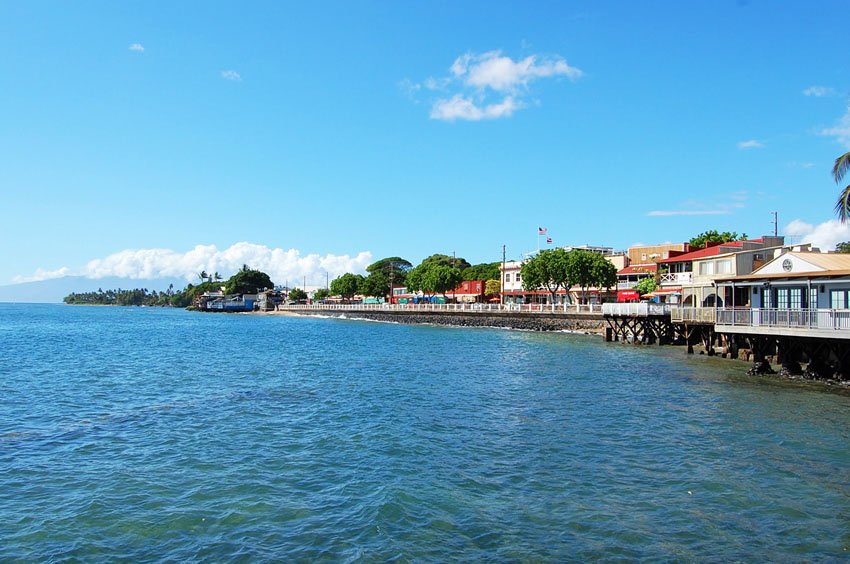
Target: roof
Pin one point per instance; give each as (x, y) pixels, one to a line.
(714, 250)
(834, 265)
(706, 252)
(638, 269)
(829, 261)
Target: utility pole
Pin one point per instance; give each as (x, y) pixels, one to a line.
(502, 279)
(775, 224)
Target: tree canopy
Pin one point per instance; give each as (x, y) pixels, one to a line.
(839, 170)
(248, 281)
(483, 271)
(492, 287)
(843, 247)
(346, 285)
(549, 269)
(587, 269)
(433, 278)
(646, 285)
(321, 294)
(297, 294)
(459, 263)
(713, 236)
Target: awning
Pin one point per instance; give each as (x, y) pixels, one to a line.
(627, 295)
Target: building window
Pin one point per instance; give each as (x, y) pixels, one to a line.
(838, 299)
(508, 277)
(796, 298)
(782, 298)
(643, 257)
(706, 268)
(518, 277)
(765, 298)
(813, 298)
(724, 267)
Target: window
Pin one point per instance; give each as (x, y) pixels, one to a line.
(518, 276)
(706, 268)
(724, 266)
(782, 298)
(765, 298)
(838, 299)
(813, 298)
(796, 298)
(643, 257)
(508, 277)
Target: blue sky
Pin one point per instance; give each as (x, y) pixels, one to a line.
(156, 138)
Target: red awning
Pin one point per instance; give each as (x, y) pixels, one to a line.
(627, 295)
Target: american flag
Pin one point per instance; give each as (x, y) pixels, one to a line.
(541, 231)
(548, 240)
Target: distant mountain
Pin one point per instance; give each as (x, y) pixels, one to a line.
(52, 291)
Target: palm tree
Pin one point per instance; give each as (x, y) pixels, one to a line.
(842, 206)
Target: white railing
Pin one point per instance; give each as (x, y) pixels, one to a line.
(694, 314)
(469, 308)
(677, 278)
(642, 309)
(819, 319)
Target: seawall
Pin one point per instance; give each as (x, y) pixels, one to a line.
(532, 321)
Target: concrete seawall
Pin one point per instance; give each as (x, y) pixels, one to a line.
(578, 322)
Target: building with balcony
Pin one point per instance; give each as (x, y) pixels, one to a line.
(693, 274)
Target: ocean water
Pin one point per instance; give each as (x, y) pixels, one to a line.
(153, 434)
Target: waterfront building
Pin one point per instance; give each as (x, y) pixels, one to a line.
(794, 309)
(689, 278)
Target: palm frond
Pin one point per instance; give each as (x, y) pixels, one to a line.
(842, 165)
(842, 206)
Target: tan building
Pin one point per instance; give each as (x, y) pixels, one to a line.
(653, 253)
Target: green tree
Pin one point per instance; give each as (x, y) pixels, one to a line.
(440, 279)
(839, 170)
(590, 270)
(297, 294)
(483, 271)
(393, 269)
(247, 281)
(646, 285)
(433, 278)
(549, 269)
(713, 236)
(377, 284)
(321, 294)
(455, 262)
(843, 247)
(492, 287)
(346, 285)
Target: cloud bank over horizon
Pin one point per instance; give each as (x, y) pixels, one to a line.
(148, 264)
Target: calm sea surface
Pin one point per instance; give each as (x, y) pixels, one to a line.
(148, 434)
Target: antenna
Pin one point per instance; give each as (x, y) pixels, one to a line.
(775, 223)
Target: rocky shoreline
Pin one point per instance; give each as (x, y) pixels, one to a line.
(578, 323)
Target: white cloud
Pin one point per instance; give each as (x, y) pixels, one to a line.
(824, 235)
(841, 131)
(231, 75)
(818, 91)
(41, 274)
(667, 213)
(487, 85)
(281, 265)
(750, 144)
(503, 74)
(459, 107)
(137, 47)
